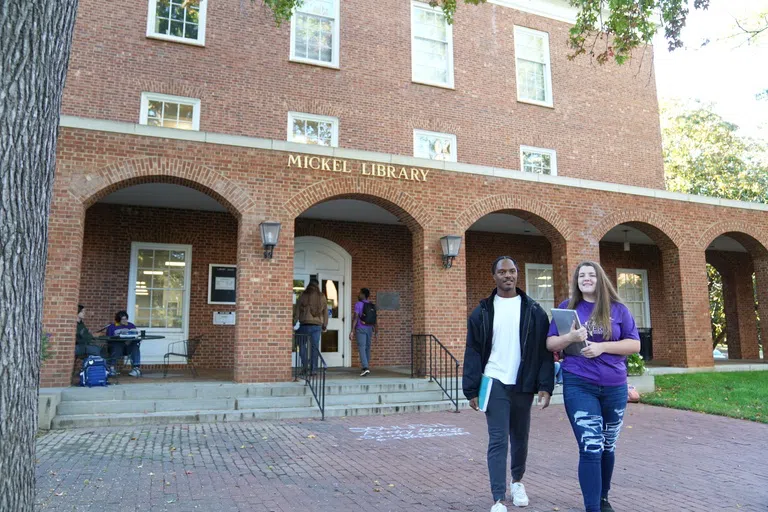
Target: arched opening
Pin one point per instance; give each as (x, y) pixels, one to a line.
(534, 243)
(354, 241)
(165, 251)
(641, 261)
(736, 266)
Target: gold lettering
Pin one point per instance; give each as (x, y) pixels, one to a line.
(336, 167)
(316, 165)
(294, 160)
(391, 172)
(381, 170)
(324, 164)
(344, 167)
(365, 169)
(414, 174)
(403, 174)
(424, 173)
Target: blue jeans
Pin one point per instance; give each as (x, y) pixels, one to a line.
(118, 349)
(364, 337)
(314, 332)
(558, 373)
(509, 421)
(596, 414)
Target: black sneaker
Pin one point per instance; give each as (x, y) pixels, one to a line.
(605, 506)
(365, 372)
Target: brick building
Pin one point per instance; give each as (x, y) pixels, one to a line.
(369, 130)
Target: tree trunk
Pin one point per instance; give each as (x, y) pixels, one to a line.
(35, 40)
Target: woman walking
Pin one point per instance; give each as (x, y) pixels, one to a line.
(595, 380)
(312, 314)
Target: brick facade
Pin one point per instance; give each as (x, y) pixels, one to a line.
(604, 126)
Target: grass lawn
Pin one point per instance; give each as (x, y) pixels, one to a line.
(741, 395)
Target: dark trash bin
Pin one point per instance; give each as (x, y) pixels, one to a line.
(646, 343)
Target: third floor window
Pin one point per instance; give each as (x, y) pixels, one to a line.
(182, 21)
(431, 46)
(534, 77)
(315, 33)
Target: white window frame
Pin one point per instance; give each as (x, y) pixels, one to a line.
(194, 102)
(540, 266)
(644, 274)
(200, 41)
(313, 117)
(336, 45)
(548, 102)
(449, 33)
(452, 137)
(551, 152)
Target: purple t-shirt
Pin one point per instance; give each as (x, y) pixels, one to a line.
(116, 329)
(359, 310)
(606, 369)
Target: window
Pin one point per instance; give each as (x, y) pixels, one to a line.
(534, 77)
(315, 33)
(312, 129)
(434, 146)
(538, 160)
(633, 289)
(539, 285)
(170, 111)
(431, 46)
(182, 21)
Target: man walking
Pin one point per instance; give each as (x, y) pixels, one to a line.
(507, 341)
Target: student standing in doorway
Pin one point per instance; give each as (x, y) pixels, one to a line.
(312, 315)
(365, 328)
(507, 341)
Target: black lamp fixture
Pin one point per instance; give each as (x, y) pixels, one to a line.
(450, 245)
(270, 232)
(626, 241)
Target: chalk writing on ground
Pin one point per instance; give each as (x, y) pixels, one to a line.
(416, 431)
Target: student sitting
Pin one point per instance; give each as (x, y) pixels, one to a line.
(84, 343)
(119, 348)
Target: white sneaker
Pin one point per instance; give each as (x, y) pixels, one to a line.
(519, 498)
(135, 372)
(498, 507)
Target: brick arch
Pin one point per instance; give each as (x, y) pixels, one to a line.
(404, 206)
(126, 173)
(659, 229)
(744, 233)
(544, 218)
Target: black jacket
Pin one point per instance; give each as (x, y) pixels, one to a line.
(537, 365)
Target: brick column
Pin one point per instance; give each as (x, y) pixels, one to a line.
(761, 277)
(689, 334)
(740, 318)
(62, 288)
(263, 335)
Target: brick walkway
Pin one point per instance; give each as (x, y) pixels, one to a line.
(667, 461)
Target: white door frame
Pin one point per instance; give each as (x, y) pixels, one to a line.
(132, 278)
(346, 311)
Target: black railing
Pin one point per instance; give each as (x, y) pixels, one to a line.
(430, 358)
(310, 367)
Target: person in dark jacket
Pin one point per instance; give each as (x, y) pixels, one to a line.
(85, 345)
(507, 341)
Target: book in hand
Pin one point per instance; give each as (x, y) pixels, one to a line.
(564, 319)
(485, 392)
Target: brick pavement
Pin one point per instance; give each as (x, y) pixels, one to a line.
(667, 461)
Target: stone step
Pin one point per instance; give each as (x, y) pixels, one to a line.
(75, 407)
(214, 416)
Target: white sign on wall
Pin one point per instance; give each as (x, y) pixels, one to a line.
(224, 318)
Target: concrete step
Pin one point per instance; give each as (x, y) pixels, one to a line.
(214, 416)
(385, 398)
(75, 407)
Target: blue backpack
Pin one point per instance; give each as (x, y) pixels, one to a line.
(94, 372)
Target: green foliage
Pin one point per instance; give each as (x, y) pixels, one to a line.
(716, 305)
(736, 394)
(45, 342)
(635, 365)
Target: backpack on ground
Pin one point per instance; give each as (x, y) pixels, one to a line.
(368, 316)
(94, 372)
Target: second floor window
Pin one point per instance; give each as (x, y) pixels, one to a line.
(434, 146)
(170, 111)
(315, 33)
(431, 46)
(538, 160)
(312, 129)
(534, 78)
(177, 20)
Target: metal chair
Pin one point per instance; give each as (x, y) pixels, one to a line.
(185, 349)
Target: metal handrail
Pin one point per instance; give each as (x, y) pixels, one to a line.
(440, 365)
(314, 378)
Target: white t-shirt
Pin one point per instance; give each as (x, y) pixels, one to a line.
(505, 350)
